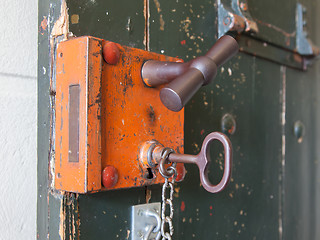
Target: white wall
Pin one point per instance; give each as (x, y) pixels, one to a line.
(18, 118)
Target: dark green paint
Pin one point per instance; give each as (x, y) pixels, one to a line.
(302, 157)
(249, 207)
(48, 205)
(189, 28)
(249, 89)
(271, 52)
(276, 21)
(271, 189)
(108, 215)
(120, 21)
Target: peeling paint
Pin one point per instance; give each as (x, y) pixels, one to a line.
(157, 3)
(182, 206)
(43, 25)
(185, 25)
(283, 149)
(148, 195)
(128, 234)
(61, 26)
(146, 13)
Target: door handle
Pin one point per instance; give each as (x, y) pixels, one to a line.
(156, 154)
(184, 79)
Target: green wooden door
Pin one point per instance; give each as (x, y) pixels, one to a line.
(274, 192)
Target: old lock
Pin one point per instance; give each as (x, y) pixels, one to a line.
(184, 79)
(152, 156)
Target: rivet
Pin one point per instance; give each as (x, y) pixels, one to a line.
(109, 176)
(227, 21)
(111, 53)
(181, 172)
(140, 234)
(299, 130)
(228, 124)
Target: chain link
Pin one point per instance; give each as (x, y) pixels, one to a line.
(168, 185)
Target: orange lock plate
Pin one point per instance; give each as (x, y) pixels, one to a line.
(104, 113)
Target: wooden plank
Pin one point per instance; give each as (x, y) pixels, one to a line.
(119, 21)
(250, 90)
(48, 204)
(301, 164)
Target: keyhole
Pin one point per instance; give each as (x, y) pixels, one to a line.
(149, 174)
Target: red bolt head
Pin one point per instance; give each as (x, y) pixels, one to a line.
(109, 176)
(111, 53)
(181, 172)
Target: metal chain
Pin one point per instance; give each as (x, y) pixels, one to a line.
(153, 228)
(167, 201)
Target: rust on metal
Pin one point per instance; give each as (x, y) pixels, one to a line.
(156, 153)
(117, 114)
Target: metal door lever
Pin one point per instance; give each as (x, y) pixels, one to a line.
(153, 153)
(185, 79)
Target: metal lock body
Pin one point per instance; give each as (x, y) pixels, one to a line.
(107, 113)
(104, 112)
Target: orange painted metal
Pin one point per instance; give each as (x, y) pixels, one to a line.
(79, 63)
(117, 114)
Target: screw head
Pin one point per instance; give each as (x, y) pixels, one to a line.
(111, 53)
(140, 212)
(299, 130)
(109, 176)
(140, 234)
(227, 21)
(228, 124)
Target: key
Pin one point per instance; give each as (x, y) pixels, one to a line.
(156, 154)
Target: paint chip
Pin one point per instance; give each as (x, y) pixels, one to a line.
(74, 19)
(61, 26)
(183, 206)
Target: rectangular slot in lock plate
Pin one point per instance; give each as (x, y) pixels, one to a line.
(74, 102)
(104, 113)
